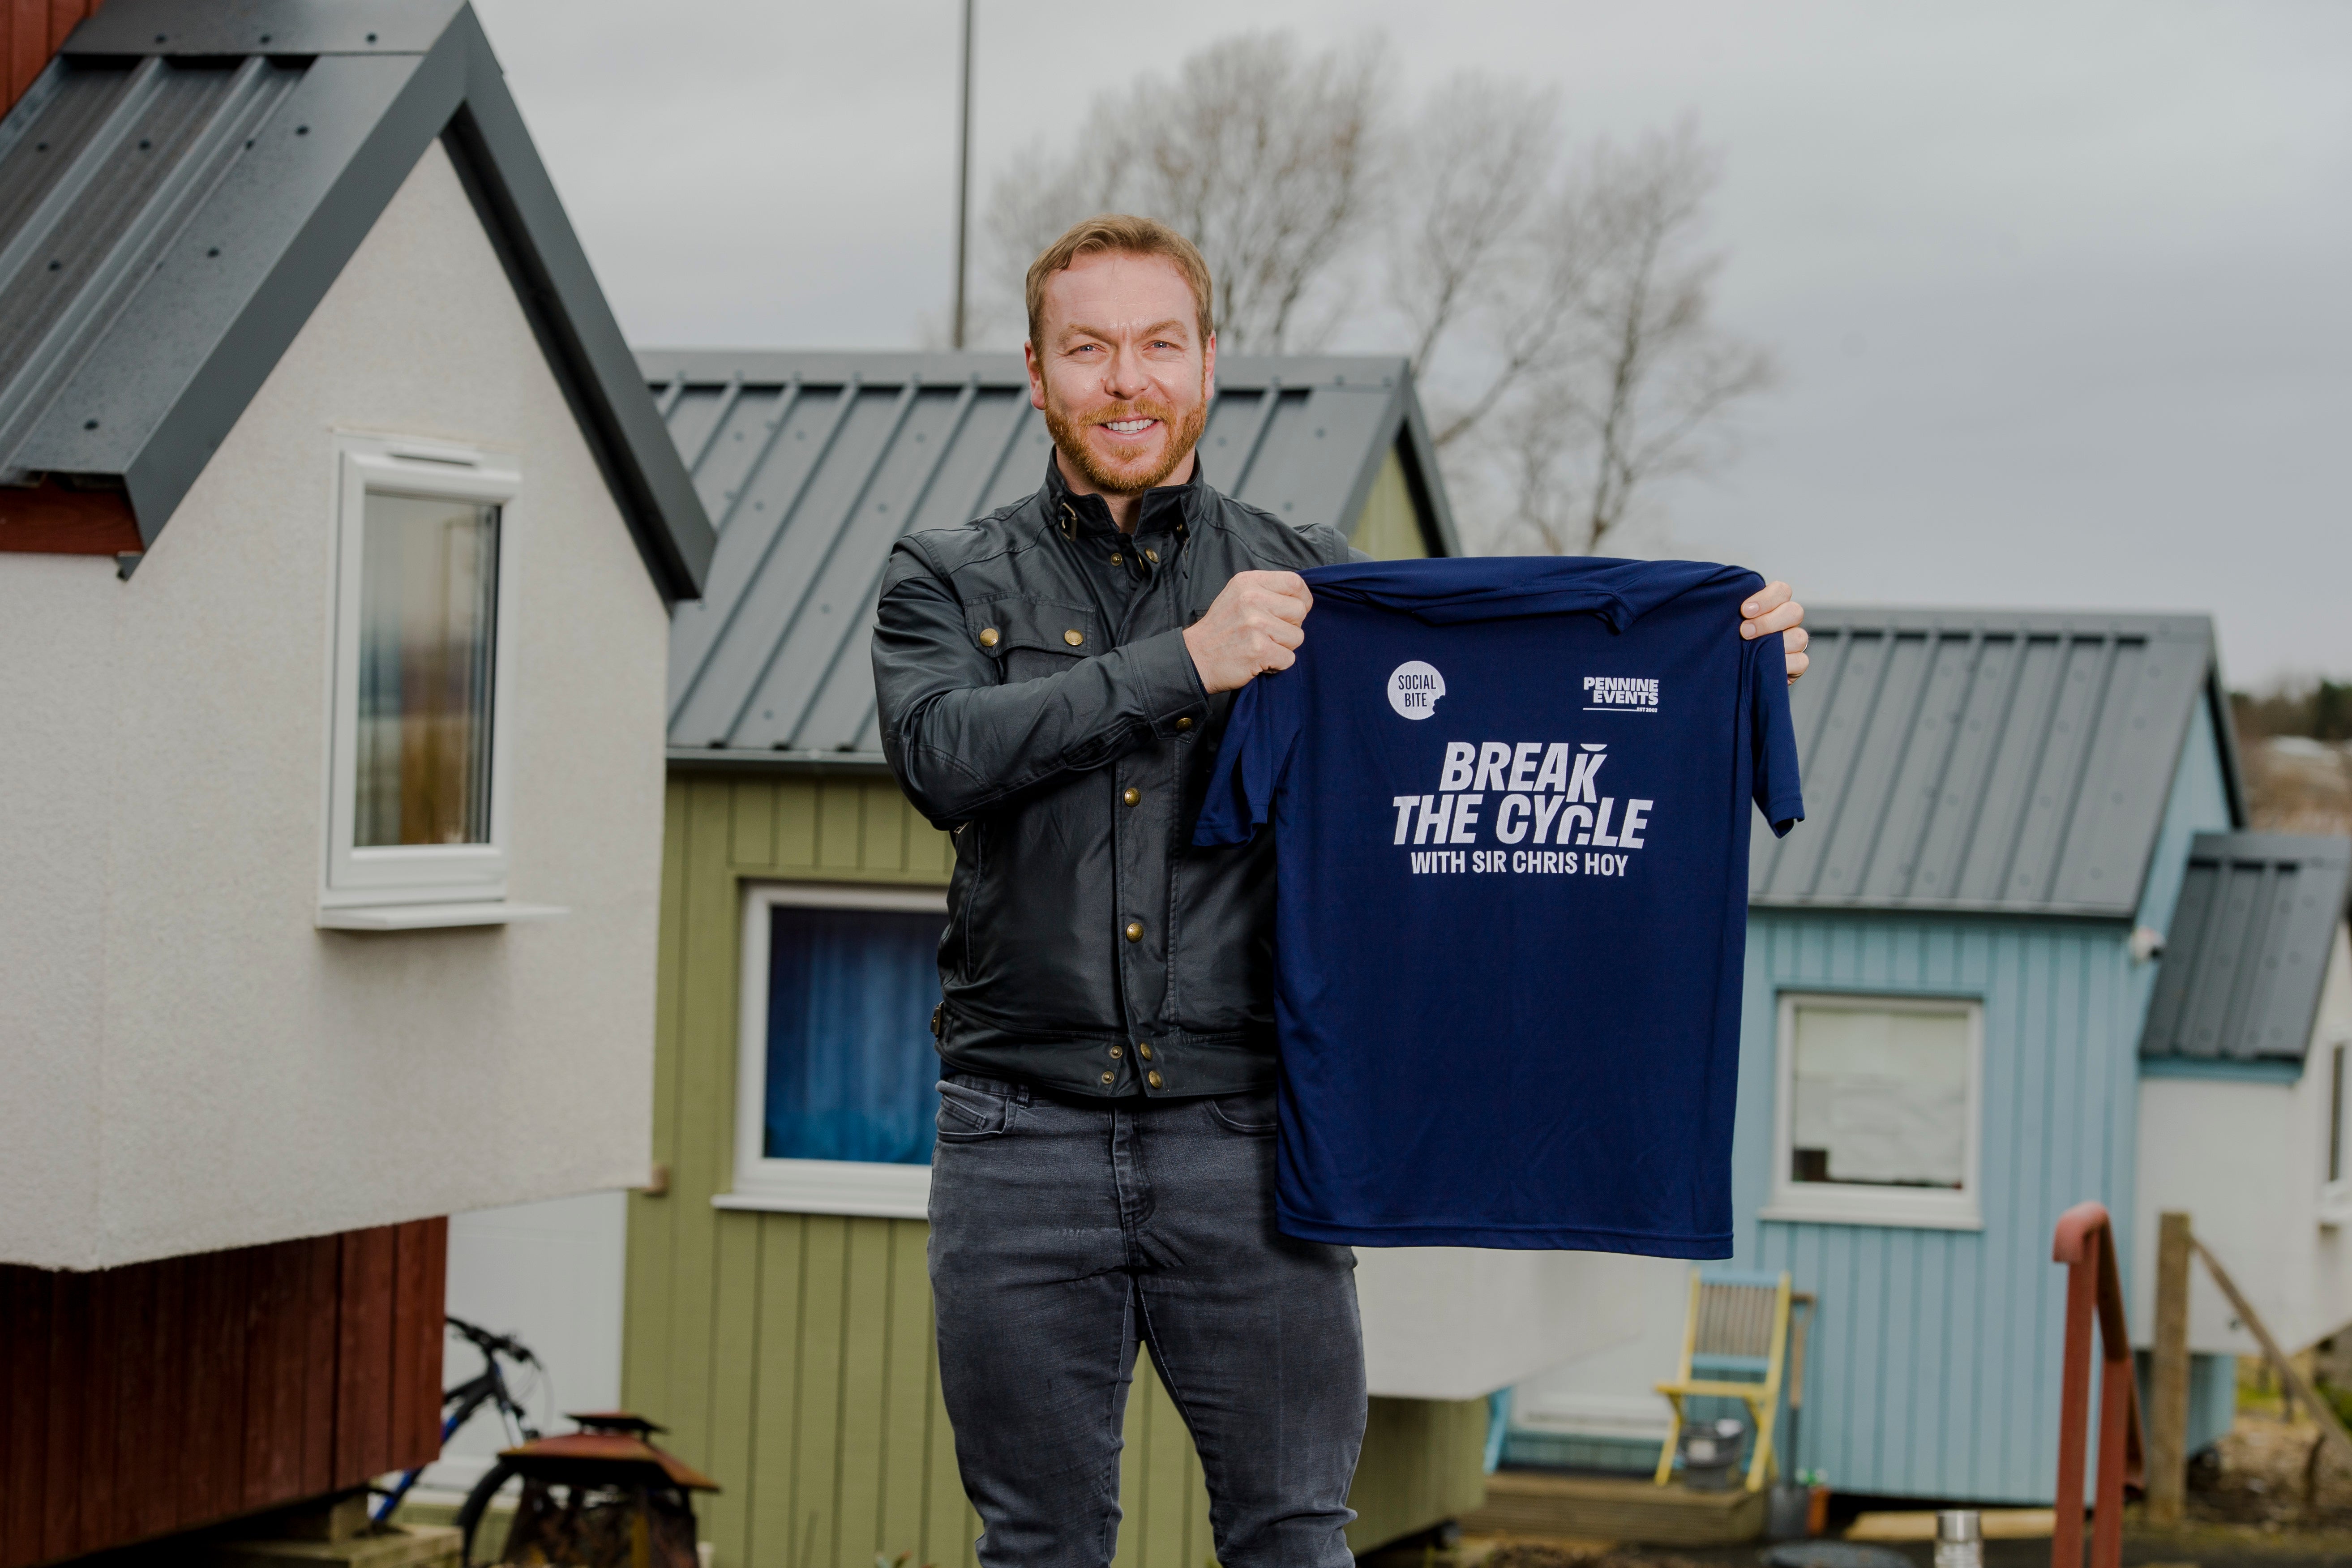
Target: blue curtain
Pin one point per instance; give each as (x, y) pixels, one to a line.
(851, 1072)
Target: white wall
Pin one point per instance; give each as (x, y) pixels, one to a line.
(1452, 1322)
(551, 1274)
(58, 616)
(2247, 1161)
(193, 1064)
(1611, 1390)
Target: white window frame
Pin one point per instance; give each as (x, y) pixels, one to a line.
(809, 1186)
(1818, 1203)
(363, 888)
(2335, 1123)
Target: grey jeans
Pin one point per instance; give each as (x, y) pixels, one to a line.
(1062, 1235)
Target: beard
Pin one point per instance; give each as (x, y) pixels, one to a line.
(1069, 439)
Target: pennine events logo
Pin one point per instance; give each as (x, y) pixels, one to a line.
(1620, 694)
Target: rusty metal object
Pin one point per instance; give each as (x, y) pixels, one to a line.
(606, 1438)
(602, 1497)
(2086, 1244)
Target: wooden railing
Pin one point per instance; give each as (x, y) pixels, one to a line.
(2086, 1244)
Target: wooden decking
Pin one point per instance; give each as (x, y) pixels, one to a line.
(1605, 1508)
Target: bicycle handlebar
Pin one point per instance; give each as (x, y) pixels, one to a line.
(490, 1343)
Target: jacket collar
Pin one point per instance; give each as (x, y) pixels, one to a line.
(1164, 508)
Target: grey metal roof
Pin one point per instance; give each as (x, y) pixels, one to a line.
(184, 182)
(2248, 951)
(814, 463)
(1989, 759)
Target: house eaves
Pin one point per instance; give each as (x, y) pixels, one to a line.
(183, 184)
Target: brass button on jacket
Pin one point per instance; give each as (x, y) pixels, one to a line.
(1132, 795)
(1143, 1049)
(1109, 1078)
(1154, 1079)
(1088, 680)
(1116, 1053)
(987, 636)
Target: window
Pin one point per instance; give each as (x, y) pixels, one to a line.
(417, 812)
(1878, 1111)
(2336, 1186)
(428, 622)
(837, 1078)
(2336, 1115)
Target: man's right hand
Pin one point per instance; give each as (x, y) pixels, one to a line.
(1251, 629)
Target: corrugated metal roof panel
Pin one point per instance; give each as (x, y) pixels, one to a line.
(2248, 952)
(1985, 759)
(107, 164)
(181, 185)
(814, 463)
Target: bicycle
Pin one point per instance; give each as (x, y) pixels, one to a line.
(460, 1404)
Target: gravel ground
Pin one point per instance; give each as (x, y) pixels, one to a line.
(2267, 1478)
(2250, 1510)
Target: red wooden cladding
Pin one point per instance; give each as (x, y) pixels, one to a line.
(34, 29)
(145, 1400)
(50, 519)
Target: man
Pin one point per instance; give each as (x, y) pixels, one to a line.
(1053, 682)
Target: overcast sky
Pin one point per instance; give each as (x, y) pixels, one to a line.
(2059, 292)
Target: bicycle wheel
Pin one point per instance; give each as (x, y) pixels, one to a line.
(477, 1504)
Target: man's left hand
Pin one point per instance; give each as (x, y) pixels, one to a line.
(1775, 609)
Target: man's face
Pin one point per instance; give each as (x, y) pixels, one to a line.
(1123, 373)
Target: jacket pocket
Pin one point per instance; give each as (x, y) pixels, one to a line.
(1029, 636)
(967, 1114)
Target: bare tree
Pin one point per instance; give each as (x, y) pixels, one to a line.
(1641, 376)
(1559, 310)
(1487, 260)
(1263, 156)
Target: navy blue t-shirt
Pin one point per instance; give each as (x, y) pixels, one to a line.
(1510, 806)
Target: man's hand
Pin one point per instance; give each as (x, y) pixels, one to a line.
(1252, 628)
(1775, 609)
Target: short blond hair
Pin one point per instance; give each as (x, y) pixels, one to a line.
(1122, 234)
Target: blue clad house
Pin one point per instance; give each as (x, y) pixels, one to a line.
(1950, 968)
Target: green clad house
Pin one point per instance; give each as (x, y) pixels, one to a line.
(777, 1315)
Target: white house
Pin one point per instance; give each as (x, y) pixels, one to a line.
(2242, 1087)
(336, 553)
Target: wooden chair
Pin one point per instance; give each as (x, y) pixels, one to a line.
(1734, 1345)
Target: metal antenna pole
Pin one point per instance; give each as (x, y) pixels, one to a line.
(963, 178)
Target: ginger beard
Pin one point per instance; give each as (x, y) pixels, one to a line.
(1146, 470)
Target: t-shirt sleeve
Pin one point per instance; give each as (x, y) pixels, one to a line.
(1250, 763)
(1773, 738)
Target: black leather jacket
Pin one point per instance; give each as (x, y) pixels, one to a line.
(1037, 699)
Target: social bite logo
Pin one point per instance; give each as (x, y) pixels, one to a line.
(1414, 688)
